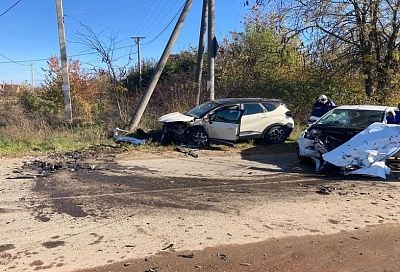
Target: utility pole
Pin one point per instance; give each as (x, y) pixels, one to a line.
(137, 41)
(211, 48)
(66, 88)
(160, 66)
(200, 53)
(32, 77)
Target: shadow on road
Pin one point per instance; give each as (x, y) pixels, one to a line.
(277, 158)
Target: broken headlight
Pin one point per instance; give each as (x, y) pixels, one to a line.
(312, 134)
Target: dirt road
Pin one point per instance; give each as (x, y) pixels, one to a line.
(134, 206)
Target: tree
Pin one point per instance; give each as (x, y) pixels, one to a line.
(359, 35)
(105, 50)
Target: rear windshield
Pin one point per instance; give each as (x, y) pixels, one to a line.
(351, 118)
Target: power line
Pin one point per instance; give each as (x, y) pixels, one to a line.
(165, 28)
(10, 8)
(112, 9)
(13, 61)
(162, 14)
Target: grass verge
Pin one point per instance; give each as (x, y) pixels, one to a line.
(16, 141)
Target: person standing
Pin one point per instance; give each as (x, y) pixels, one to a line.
(321, 106)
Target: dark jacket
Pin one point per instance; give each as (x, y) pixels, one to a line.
(320, 109)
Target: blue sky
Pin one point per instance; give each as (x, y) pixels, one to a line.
(29, 30)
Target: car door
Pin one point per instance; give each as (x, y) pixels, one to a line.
(253, 120)
(223, 124)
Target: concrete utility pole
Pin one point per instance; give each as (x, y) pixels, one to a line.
(211, 48)
(160, 66)
(66, 88)
(200, 53)
(32, 76)
(137, 41)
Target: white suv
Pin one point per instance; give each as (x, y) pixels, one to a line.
(228, 120)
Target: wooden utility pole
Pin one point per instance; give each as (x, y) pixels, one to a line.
(211, 48)
(66, 88)
(160, 66)
(139, 59)
(200, 51)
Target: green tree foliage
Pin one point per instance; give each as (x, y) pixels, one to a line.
(47, 101)
(262, 62)
(359, 36)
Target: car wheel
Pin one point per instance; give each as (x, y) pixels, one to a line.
(276, 135)
(199, 137)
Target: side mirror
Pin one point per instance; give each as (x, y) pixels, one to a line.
(209, 117)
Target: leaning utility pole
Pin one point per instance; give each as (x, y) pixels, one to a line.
(66, 88)
(160, 66)
(211, 48)
(137, 41)
(200, 50)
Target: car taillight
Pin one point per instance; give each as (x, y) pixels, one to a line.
(288, 114)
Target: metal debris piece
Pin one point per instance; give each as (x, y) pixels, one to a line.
(187, 151)
(324, 190)
(189, 256)
(169, 246)
(222, 256)
(119, 137)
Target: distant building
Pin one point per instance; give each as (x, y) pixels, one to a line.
(174, 57)
(9, 89)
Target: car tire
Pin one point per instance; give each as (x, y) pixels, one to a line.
(199, 137)
(276, 135)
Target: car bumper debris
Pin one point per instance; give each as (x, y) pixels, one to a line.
(118, 137)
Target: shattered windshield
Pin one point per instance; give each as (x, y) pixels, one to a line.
(201, 110)
(351, 118)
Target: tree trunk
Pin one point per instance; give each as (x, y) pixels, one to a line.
(369, 82)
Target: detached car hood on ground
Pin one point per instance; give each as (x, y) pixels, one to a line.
(175, 117)
(368, 150)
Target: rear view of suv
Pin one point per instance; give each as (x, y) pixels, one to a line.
(231, 119)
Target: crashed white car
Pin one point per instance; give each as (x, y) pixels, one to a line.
(228, 120)
(351, 136)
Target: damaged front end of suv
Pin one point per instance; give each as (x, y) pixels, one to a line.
(180, 129)
(186, 128)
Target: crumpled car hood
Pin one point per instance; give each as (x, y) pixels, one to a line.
(175, 117)
(369, 149)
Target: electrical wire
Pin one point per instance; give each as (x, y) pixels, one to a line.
(165, 28)
(13, 61)
(112, 9)
(10, 8)
(163, 13)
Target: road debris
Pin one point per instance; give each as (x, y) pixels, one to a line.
(222, 256)
(324, 190)
(119, 137)
(189, 256)
(187, 151)
(167, 247)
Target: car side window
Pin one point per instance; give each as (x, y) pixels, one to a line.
(226, 115)
(269, 106)
(252, 108)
